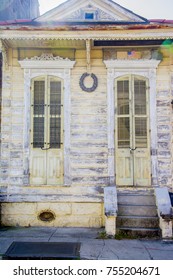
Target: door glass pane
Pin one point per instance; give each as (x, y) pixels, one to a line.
(140, 97)
(141, 132)
(39, 95)
(123, 132)
(55, 114)
(55, 132)
(55, 98)
(123, 97)
(38, 114)
(38, 132)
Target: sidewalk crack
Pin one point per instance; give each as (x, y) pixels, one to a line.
(51, 235)
(100, 254)
(114, 254)
(110, 250)
(151, 258)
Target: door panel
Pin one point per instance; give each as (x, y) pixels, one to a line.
(47, 132)
(38, 167)
(55, 167)
(132, 132)
(142, 167)
(124, 167)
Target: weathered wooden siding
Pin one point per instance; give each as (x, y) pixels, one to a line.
(89, 125)
(164, 119)
(12, 125)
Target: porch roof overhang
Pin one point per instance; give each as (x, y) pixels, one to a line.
(71, 39)
(74, 36)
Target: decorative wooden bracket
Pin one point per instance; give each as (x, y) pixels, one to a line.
(88, 55)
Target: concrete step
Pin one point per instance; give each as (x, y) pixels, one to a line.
(138, 221)
(138, 232)
(132, 190)
(137, 213)
(137, 210)
(136, 199)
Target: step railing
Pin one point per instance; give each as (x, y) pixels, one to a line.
(165, 212)
(110, 209)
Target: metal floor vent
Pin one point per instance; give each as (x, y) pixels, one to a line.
(43, 251)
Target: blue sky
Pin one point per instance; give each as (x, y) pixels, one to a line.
(151, 9)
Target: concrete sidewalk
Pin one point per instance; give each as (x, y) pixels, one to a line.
(92, 248)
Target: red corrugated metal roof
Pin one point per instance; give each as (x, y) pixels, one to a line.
(162, 21)
(21, 24)
(15, 21)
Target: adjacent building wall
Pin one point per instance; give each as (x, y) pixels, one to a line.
(19, 9)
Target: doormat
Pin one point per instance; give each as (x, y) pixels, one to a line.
(43, 251)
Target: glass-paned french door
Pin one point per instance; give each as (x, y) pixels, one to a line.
(132, 131)
(46, 164)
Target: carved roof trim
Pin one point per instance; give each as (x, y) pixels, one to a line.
(46, 56)
(127, 35)
(46, 60)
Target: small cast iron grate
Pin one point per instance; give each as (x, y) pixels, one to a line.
(43, 251)
(46, 216)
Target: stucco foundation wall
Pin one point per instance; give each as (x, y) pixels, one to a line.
(66, 214)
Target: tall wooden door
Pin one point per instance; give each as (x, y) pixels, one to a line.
(46, 164)
(132, 132)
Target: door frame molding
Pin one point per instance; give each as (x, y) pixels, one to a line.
(46, 65)
(118, 68)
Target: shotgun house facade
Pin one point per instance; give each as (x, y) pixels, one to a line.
(86, 119)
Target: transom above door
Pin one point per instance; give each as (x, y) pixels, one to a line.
(46, 164)
(132, 131)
